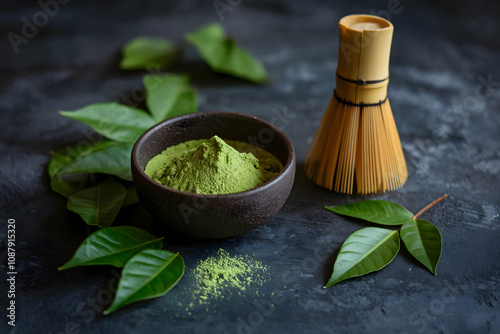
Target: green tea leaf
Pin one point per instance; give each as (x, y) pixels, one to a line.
(98, 205)
(224, 55)
(67, 185)
(57, 163)
(240, 63)
(186, 103)
(71, 153)
(112, 246)
(131, 197)
(149, 53)
(113, 120)
(364, 251)
(105, 157)
(423, 241)
(148, 274)
(169, 95)
(64, 185)
(380, 212)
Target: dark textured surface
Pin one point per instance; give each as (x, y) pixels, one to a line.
(213, 216)
(442, 54)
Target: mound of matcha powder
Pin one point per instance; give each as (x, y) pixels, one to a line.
(213, 166)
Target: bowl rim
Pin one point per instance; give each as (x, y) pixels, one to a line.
(289, 163)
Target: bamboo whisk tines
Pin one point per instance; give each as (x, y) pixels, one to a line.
(357, 146)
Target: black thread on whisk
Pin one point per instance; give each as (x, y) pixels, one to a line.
(349, 103)
(363, 81)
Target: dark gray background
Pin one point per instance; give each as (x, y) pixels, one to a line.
(448, 120)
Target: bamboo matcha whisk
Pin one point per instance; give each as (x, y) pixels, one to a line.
(357, 147)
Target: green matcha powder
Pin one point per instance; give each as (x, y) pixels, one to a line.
(218, 274)
(224, 277)
(213, 166)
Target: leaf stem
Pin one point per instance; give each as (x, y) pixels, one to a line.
(428, 206)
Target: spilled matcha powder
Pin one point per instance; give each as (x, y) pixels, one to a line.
(213, 166)
(220, 275)
(223, 279)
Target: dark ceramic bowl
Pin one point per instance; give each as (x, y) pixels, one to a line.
(213, 216)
